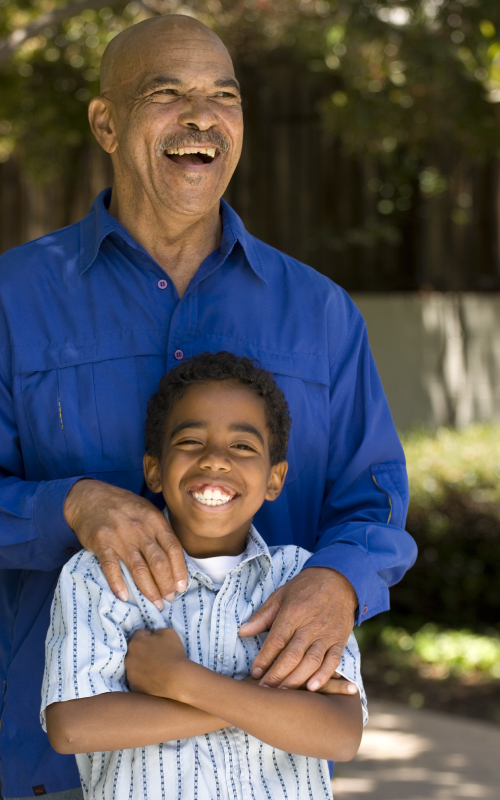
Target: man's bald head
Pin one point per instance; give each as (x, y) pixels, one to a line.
(125, 53)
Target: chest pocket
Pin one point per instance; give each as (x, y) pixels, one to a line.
(89, 418)
(305, 382)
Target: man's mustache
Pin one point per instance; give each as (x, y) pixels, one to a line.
(192, 138)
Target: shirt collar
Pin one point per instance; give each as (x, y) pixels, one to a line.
(255, 548)
(99, 224)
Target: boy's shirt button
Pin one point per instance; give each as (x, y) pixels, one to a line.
(162, 284)
(364, 611)
(221, 656)
(178, 355)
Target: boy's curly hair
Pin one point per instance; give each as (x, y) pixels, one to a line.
(222, 366)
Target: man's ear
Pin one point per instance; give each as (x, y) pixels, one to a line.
(276, 481)
(102, 123)
(151, 467)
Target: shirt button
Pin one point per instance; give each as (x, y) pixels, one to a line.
(178, 355)
(71, 551)
(162, 284)
(364, 611)
(221, 656)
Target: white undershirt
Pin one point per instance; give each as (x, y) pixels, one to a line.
(217, 567)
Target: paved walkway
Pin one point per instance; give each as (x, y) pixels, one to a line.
(421, 755)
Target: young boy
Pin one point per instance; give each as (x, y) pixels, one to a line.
(201, 729)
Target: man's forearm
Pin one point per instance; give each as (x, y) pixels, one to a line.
(298, 722)
(101, 723)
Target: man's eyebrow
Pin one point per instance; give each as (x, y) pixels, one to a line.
(223, 83)
(244, 428)
(162, 80)
(190, 423)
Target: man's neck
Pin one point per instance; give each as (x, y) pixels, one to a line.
(177, 242)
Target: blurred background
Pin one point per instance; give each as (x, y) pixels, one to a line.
(371, 152)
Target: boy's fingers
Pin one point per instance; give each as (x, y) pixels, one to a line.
(338, 685)
(263, 617)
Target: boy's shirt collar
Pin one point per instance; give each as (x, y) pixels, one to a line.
(255, 548)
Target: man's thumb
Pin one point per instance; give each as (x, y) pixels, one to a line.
(264, 617)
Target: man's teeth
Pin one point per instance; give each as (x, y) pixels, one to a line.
(212, 497)
(208, 151)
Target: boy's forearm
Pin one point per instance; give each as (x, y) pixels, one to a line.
(304, 723)
(123, 720)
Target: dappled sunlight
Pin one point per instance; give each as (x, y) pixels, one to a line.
(420, 755)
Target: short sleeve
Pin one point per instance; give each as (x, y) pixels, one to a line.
(350, 668)
(86, 642)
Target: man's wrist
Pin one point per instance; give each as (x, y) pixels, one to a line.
(72, 501)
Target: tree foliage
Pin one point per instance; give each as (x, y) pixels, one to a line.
(417, 82)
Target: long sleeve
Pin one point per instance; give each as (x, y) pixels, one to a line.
(33, 531)
(366, 495)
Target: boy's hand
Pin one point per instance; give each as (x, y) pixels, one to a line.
(154, 660)
(310, 620)
(117, 524)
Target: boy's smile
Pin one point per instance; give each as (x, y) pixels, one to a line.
(215, 471)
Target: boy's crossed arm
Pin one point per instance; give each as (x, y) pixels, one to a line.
(179, 699)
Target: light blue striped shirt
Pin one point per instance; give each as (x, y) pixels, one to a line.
(85, 652)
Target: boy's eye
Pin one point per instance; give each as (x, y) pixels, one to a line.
(242, 446)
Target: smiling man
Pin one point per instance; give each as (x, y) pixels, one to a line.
(93, 315)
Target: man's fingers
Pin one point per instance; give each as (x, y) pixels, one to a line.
(263, 617)
(143, 579)
(296, 663)
(112, 570)
(161, 569)
(327, 668)
(172, 547)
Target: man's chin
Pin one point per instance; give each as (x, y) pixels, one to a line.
(193, 179)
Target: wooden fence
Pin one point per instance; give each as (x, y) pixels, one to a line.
(297, 189)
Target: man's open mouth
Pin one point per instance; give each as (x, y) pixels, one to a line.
(212, 495)
(192, 155)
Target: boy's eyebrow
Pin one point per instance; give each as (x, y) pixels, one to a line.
(190, 423)
(243, 428)
(237, 427)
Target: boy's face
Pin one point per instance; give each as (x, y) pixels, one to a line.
(215, 471)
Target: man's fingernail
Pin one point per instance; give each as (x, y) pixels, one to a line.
(313, 686)
(181, 586)
(170, 597)
(159, 604)
(352, 688)
(257, 672)
(123, 596)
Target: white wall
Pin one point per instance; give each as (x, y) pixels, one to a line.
(438, 355)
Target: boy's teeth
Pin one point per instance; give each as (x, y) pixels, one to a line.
(212, 497)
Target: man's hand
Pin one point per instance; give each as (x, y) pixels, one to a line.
(312, 617)
(152, 658)
(116, 524)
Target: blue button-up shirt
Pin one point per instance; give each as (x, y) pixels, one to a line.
(89, 322)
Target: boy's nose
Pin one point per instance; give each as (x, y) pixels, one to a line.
(215, 460)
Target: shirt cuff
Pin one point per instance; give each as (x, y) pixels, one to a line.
(356, 565)
(58, 541)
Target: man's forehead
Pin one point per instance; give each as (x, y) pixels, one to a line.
(169, 50)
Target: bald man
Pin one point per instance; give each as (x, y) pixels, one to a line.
(93, 315)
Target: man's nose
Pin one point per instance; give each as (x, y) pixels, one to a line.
(197, 113)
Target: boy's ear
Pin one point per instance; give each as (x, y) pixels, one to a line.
(151, 467)
(276, 481)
